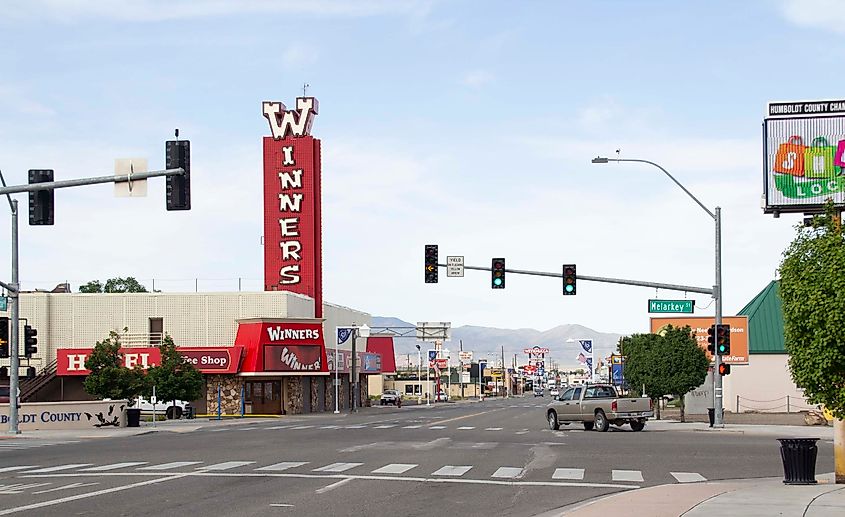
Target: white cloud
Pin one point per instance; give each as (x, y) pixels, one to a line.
(158, 10)
(824, 14)
(477, 78)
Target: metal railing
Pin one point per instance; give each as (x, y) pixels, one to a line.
(30, 387)
(140, 339)
(785, 404)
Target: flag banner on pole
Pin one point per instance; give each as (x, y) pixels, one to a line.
(343, 334)
(587, 345)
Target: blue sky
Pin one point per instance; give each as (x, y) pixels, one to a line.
(466, 124)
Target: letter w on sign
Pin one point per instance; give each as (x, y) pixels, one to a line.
(284, 122)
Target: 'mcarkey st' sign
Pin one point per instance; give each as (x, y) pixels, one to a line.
(670, 306)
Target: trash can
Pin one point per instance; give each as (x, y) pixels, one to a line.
(799, 460)
(189, 412)
(711, 414)
(133, 417)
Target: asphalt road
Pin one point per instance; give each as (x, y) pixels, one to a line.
(490, 458)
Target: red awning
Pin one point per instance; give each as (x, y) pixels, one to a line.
(383, 345)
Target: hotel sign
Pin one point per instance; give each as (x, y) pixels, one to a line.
(71, 361)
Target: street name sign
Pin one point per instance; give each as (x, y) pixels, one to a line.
(455, 266)
(668, 306)
(4, 303)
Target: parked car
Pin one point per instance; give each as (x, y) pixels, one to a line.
(162, 407)
(554, 392)
(598, 406)
(441, 397)
(539, 392)
(390, 397)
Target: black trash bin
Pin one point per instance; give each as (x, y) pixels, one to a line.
(133, 417)
(799, 460)
(189, 411)
(711, 414)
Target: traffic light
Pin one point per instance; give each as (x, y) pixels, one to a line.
(4, 337)
(723, 339)
(29, 341)
(40, 201)
(724, 369)
(711, 340)
(497, 280)
(178, 154)
(569, 279)
(431, 263)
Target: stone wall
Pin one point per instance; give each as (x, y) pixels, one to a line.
(293, 395)
(315, 396)
(330, 393)
(230, 396)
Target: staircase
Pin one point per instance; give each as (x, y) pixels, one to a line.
(30, 387)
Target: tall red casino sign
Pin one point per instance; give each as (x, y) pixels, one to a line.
(292, 221)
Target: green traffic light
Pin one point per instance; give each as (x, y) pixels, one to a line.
(497, 281)
(569, 288)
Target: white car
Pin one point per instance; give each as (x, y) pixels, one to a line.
(554, 392)
(442, 397)
(161, 407)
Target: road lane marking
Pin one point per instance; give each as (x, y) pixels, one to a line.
(452, 470)
(18, 488)
(172, 465)
(384, 426)
(568, 474)
(300, 427)
(247, 428)
(114, 466)
(77, 497)
(337, 467)
(60, 467)
(226, 465)
(282, 466)
(65, 487)
(466, 428)
(508, 472)
(436, 427)
(395, 468)
(17, 467)
(357, 426)
(333, 486)
(688, 477)
(278, 427)
(281, 505)
(330, 427)
(627, 475)
(411, 427)
(493, 429)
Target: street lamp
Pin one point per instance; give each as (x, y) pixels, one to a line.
(717, 288)
(419, 373)
(364, 332)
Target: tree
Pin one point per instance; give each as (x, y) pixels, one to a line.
(109, 377)
(812, 291)
(114, 285)
(669, 363)
(174, 378)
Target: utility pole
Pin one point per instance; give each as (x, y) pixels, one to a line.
(504, 372)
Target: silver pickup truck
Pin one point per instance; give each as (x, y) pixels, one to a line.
(598, 405)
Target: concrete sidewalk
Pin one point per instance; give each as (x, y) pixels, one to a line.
(750, 497)
(775, 431)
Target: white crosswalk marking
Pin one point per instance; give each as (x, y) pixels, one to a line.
(299, 427)
(60, 467)
(387, 426)
(114, 466)
(18, 488)
(330, 427)
(226, 465)
(65, 487)
(172, 465)
(435, 427)
(395, 468)
(466, 428)
(355, 426)
(412, 427)
(493, 429)
(627, 475)
(452, 470)
(568, 474)
(283, 466)
(508, 472)
(17, 467)
(337, 467)
(688, 477)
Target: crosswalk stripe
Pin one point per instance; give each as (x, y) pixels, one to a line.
(568, 474)
(388, 426)
(627, 475)
(466, 428)
(65, 487)
(57, 468)
(493, 429)
(330, 427)
(508, 472)
(395, 468)
(300, 427)
(17, 488)
(452, 470)
(17, 467)
(355, 426)
(337, 467)
(226, 465)
(434, 427)
(114, 466)
(688, 477)
(172, 465)
(411, 427)
(283, 466)
(247, 428)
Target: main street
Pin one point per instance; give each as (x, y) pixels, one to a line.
(491, 458)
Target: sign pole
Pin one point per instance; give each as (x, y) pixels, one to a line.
(14, 356)
(336, 365)
(717, 379)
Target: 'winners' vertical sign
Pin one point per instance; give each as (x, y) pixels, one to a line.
(292, 222)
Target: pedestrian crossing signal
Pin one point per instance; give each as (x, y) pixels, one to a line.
(724, 369)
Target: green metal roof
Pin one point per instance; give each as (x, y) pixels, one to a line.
(765, 321)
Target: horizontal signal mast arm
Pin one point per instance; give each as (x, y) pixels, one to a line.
(32, 187)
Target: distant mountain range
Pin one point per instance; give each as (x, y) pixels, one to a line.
(487, 342)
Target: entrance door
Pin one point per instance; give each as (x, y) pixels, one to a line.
(265, 397)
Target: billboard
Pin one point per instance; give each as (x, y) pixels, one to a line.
(699, 326)
(803, 156)
(292, 220)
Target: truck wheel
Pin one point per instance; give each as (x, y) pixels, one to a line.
(601, 421)
(636, 425)
(588, 426)
(553, 423)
